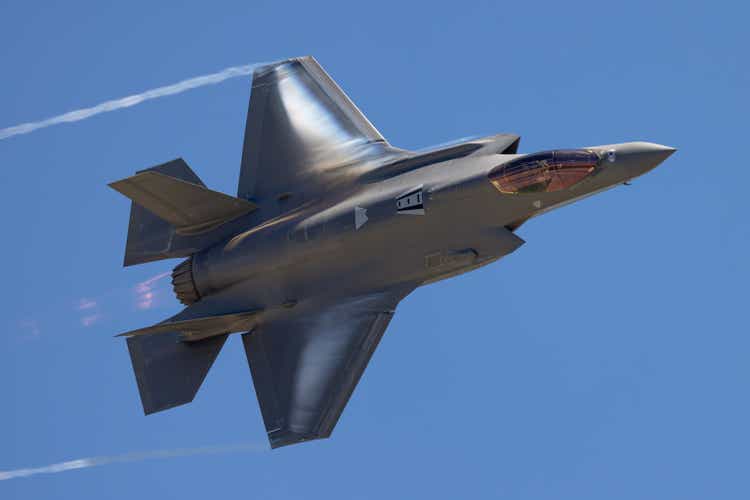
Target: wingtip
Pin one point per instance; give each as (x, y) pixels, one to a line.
(282, 437)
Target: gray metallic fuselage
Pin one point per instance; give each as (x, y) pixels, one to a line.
(318, 247)
(332, 227)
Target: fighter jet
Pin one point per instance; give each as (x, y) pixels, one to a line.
(331, 228)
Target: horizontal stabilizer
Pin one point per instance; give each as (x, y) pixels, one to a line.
(199, 328)
(151, 238)
(169, 372)
(189, 207)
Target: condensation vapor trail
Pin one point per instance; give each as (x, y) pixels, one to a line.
(132, 100)
(84, 463)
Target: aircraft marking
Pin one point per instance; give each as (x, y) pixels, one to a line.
(360, 217)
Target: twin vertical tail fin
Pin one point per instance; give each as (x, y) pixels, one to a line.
(170, 372)
(173, 213)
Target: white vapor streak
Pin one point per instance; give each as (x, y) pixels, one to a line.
(84, 463)
(147, 285)
(146, 295)
(126, 102)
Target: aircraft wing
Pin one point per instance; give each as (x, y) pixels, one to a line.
(301, 131)
(306, 366)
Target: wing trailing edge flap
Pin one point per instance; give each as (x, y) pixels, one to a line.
(189, 207)
(305, 366)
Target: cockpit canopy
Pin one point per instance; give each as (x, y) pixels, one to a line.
(545, 172)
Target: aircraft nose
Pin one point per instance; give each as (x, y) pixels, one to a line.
(638, 157)
(653, 154)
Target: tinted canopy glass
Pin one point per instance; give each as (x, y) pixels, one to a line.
(544, 172)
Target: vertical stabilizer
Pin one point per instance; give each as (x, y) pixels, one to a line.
(173, 214)
(170, 372)
(150, 237)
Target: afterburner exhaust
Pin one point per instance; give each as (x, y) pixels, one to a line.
(183, 283)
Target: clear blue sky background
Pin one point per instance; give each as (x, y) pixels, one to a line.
(607, 358)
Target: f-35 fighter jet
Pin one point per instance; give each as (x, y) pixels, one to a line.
(331, 227)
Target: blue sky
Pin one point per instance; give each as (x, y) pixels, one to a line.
(606, 358)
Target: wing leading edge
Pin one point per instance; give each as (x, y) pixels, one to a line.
(306, 366)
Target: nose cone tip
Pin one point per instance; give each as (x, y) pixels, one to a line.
(632, 159)
(662, 148)
(645, 156)
(659, 152)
